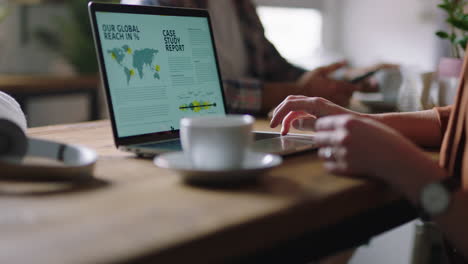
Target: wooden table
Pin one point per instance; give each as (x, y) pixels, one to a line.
(135, 211)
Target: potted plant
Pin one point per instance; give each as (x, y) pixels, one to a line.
(450, 67)
(74, 40)
(458, 23)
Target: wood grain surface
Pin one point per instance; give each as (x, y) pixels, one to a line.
(134, 209)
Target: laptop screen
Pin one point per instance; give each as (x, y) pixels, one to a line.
(159, 69)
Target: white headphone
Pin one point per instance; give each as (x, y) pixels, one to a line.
(76, 162)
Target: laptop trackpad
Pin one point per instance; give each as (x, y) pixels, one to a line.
(285, 144)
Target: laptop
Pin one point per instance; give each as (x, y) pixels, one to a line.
(159, 65)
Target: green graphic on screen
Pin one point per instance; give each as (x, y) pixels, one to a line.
(197, 106)
(140, 58)
(159, 69)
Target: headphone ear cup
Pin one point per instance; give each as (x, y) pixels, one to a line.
(13, 141)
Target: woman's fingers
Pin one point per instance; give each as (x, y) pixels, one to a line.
(336, 160)
(305, 123)
(337, 168)
(329, 138)
(310, 105)
(334, 122)
(289, 98)
(327, 154)
(326, 123)
(291, 117)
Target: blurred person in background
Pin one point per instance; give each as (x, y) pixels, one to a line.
(256, 77)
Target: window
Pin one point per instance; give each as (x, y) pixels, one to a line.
(295, 32)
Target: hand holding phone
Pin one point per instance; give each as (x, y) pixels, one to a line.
(363, 77)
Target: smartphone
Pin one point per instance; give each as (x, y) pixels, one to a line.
(363, 77)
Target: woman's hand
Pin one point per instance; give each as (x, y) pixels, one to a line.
(353, 146)
(361, 146)
(301, 112)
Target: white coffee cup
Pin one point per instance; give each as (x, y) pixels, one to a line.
(216, 142)
(390, 81)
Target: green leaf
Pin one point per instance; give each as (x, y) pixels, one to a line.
(442, 34)
(453, 37)
(458, 23)
(462, 42)
(445, 7)
(463, 17)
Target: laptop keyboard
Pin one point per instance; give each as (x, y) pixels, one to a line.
(177, 146)
(170, 145)
(260, 136)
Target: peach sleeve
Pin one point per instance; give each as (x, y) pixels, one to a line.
(443, 115)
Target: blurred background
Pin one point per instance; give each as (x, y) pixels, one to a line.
(47, 60)
(52, 37)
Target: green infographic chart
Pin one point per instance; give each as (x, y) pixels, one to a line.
(159, 69)
(141, 58)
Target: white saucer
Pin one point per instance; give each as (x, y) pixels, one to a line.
(254, 164)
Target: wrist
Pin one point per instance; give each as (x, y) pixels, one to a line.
(413, 174)
(381, 118)
(364, 115)
(435, 197)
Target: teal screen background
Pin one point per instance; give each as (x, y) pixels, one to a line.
(159, 70)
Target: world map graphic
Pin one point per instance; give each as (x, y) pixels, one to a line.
(139, 59)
